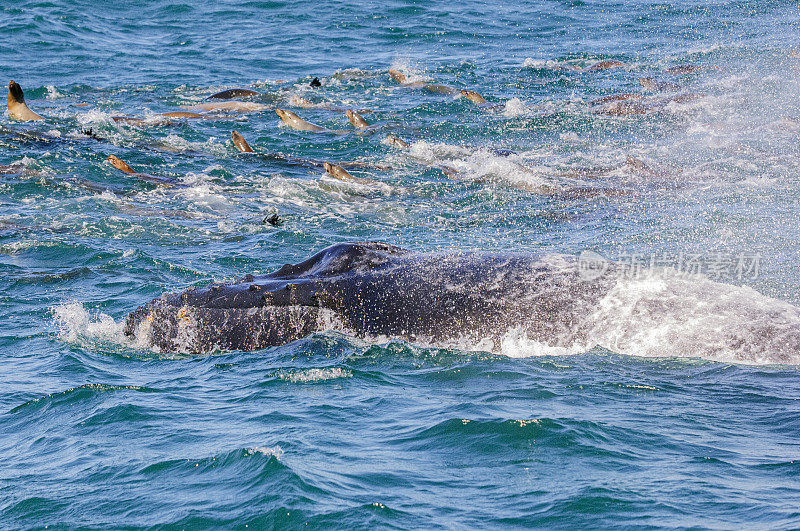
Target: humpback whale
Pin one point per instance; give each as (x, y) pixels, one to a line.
(374, 290)
(367, 289)
(228, 106)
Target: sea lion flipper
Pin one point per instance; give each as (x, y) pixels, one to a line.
(240, 143)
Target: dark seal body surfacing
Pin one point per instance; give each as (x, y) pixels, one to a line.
(375, 290)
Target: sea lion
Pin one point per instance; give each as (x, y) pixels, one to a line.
(641, 168)
(625, 108)
(17, 109)
(181, 114)
(616, 97)
(608, 64)
(337, 172)
(127, 120)
(501, 152)
(240, 143)
(234, 93)
(229, 106)
(91, 134)
(430, 87)
(273, 220)
(683, 98)
(473, 96)
(439, 89)
(682, 69)
(397, 142)
(295, 122)
(450, 299)
(398, 76)
(356, 119)
(123, 166)
(120, 164)
(304, 103)
(315, 83)
(658, 86)
(403, 80)
(8, 169)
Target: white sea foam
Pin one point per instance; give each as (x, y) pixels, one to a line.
(515, 108)
(75, 324)
(314, 375)
(94, 117)
(211, 145)
(53, 93)
(413, 72)
(670, 314)
(480, 165)
(531, 62)
(274, 451)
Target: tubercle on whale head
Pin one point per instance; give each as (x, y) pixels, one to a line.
(195, 330)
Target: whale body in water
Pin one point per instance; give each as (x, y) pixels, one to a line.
(479, 300)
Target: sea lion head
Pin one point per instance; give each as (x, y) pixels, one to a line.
(648, 82)
(356, 119)
(473, 96)
(15, 92)
(397, 142)
(119, 164)
(397, 75)
(338, 172)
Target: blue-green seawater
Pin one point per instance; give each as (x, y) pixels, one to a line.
(335, 431)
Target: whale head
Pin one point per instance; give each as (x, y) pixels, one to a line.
(256, 312)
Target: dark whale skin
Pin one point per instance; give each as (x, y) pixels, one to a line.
(375, 290)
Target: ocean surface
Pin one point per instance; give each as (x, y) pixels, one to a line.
(693, 181)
